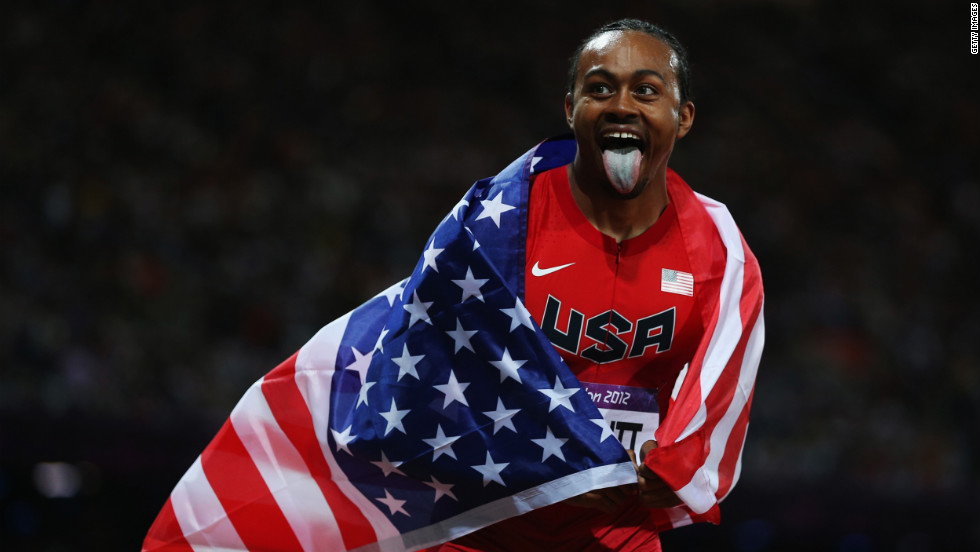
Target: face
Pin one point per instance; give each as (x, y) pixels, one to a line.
(626, 112)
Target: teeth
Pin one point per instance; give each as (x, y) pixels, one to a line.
(623, 135)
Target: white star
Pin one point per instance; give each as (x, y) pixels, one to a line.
(396, 506)
(508, 367)
(378, 346)
(519, 316)
(387, 466)
(476, 244)
(442, 489)
(453, 390)
(441, 444)
(502, 417)
(406, 363)
(461, 206)
(394, 418)
(471, 286)
(493, 208)
(418, 310)
(559, 396)
(392, 293)
(551, 445)
(360, 365)
(535, 161)
(429, 256)
(342, 439)
(491, 471)
(462, 337)
(362, 397)
(606, 430)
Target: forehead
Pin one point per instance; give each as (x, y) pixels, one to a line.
(628, 52)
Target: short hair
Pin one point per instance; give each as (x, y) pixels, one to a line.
(638, 25)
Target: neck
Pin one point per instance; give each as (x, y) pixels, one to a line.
(613, 215)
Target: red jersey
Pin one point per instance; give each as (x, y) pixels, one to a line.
(601, 303)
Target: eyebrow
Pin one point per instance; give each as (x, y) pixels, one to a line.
(607, 74)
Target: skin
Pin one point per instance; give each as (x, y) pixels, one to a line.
(626, 81)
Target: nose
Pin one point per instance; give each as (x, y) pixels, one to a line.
(622, 106)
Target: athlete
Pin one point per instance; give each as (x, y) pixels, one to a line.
(615, 244)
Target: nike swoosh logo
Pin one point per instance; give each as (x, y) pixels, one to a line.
(538, 271)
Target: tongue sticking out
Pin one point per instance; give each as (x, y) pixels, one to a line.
(622, 167)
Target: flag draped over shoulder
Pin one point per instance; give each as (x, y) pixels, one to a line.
(439, 407)
(434, 409)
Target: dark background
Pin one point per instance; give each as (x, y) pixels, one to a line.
(188, 191)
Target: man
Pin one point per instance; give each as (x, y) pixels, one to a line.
(439, 407)
(602, 234)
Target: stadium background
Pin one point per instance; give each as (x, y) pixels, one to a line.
(188, 191)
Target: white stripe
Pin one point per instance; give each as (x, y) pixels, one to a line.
(315, 366)
(746, 378)
(679, 382)
(678, 517)
(696, 494)
(285, 473)
(728, 330)
(574, 484)
(203, 521)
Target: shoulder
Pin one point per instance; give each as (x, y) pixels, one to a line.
(709, 229)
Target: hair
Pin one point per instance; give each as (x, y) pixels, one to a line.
(638, 25)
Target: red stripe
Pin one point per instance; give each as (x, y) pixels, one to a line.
(165, 534)
(244, 495)
(292, 414)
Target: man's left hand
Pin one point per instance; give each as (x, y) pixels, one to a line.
(653, 491)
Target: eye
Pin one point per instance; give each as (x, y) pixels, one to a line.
(598, 88)
(646, 90)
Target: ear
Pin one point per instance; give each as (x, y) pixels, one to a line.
(685, 119)
(569, 108)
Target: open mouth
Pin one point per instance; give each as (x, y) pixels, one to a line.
(620, 141)
(621, 157)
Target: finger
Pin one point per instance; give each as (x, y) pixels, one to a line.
(605, 501)
(633, 458)
(661, 501)
(646, 448)
(593, 499)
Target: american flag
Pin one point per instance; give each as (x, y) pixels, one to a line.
(676, 281)
(439, 407)
(434, 409)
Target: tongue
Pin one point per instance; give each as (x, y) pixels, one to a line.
(622, 167)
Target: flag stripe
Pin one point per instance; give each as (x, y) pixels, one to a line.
(704, 429)
(735, 418)
(285, 391)
(246, 499)
(200, 514)
(313, 381)
(285, 473)
(700, 492)
(166, 534)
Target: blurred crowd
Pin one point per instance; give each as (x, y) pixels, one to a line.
(188, 191)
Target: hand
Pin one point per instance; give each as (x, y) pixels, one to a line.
(654, 492)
